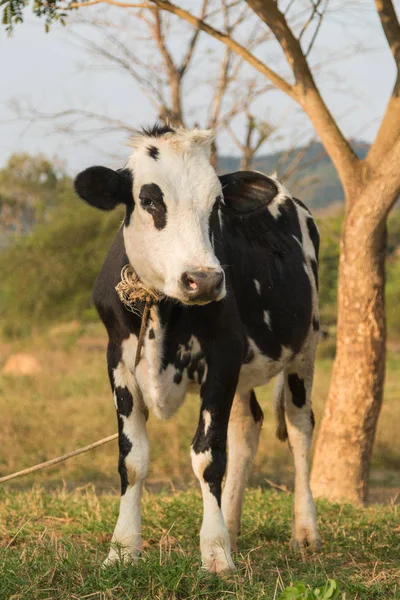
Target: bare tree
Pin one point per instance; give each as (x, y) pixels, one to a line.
(141, 48)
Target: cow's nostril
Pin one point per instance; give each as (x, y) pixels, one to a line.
(192, 283)
(189, 281)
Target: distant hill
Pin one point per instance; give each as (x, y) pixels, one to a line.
(314, 179)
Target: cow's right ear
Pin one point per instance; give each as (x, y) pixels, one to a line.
(104, 188)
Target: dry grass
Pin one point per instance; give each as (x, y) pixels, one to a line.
(69, 405)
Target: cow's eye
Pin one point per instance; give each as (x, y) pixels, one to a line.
(147, 203)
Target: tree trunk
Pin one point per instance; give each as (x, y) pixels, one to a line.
(344, 446)
(246, 160)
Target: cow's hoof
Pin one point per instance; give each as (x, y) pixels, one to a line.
(306, 538)
(217, 566)
(216, 557)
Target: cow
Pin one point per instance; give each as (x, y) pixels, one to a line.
(234, 261)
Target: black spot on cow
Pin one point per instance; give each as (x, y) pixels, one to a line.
(153, 152)
(182, 360)
(152, 335)
(300, 203)
(312, 419)
(314, 235)
(124, 401)
(177, 377)
(315, 324)
(314, 267)
(196, 366)
(158, 130)
(298, 390)
(255, 408)
(214, 473)
(152, 200)
(125, 447)
(288, 219)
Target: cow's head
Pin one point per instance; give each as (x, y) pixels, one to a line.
(169, 189)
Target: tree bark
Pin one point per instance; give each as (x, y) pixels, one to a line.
(344, 447)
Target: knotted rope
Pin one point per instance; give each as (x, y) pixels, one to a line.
(131, 291)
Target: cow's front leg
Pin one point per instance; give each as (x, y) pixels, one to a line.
(209, 464)
(243, 434)
(133, 463)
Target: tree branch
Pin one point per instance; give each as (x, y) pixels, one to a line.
(389, 130)
(215, 33)
(307, 93)
(390, 26)
(192, 44)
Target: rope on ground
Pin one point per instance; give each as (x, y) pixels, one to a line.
(55, 461)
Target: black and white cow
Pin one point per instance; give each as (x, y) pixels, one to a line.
(236, 258)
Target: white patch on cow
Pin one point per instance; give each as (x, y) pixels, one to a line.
(214, 539)
(258, 286)
(120, 375)
(267, 318)
(261, 368)
(221, 220)
(205, 371)
(308, 246)
(274, 209)
(126, 541)
(206, 420)
(190, 187)
(298, 241)
(281, 196)
(160, 393)
(299, 431)
(243, 436)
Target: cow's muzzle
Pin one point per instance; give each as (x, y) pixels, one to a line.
(203, 285)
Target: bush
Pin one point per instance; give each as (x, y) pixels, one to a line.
(48, 276)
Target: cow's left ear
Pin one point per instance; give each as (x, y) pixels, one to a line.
(245, 191)
(104, 188)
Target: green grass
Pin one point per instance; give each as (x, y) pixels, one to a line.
(52, 546)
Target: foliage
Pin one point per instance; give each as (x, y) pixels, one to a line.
(300, 591)
(48, 276)
(51, 10)
(30, 188)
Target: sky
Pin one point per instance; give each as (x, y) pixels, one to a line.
(52, 72)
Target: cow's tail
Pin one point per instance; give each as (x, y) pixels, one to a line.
(281, 429)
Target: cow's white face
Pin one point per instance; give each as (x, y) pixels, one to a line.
(167, 237)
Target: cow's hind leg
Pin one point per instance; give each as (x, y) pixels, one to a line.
(294, 400)
(132, 464)
(243, 435)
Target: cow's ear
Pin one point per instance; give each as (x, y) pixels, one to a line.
(104, 188)
(245, 191)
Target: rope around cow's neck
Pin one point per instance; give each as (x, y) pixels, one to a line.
(130, 291)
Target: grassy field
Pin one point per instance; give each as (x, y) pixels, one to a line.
(52, 546)
(69, 405)
(53, 538)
